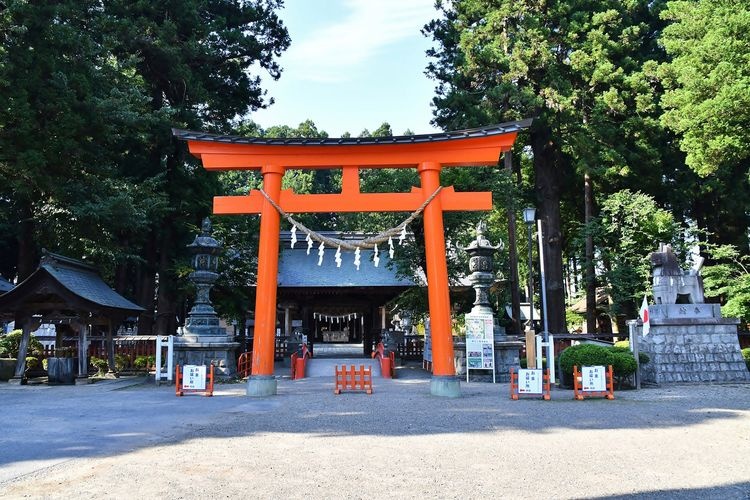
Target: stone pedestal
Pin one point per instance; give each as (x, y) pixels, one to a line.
(205, 350)
(506, 356)
(691, 343)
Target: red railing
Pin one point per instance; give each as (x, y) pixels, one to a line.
(245, 364)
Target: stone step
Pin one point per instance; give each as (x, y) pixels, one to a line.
(325, 367)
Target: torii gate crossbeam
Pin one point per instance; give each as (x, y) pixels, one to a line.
(427, 153)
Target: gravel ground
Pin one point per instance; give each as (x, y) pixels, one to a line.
(118, 440)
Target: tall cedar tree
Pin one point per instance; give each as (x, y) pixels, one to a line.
(708, 105)
(576, 68)
(194, 60)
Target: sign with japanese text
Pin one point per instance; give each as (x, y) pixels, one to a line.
(593, 378)
(480, 346)
(530, 381)
(194, 377)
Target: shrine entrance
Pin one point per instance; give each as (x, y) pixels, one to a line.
(429, 154)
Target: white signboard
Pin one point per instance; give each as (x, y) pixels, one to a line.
(593, 378)
(480, 343)
(194, 377)
(530, 381)
(427, 352)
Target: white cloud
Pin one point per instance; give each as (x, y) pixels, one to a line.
(333, 52)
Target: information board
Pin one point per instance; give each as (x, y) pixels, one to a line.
(480, 343)
(194, 377)
(427, 352)
(530, 381)
(593, 378)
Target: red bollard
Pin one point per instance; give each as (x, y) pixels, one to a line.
(299, 368)
(385, 367)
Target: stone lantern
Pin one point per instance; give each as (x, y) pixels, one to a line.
(204, 340)
(481, 268)
(205, 249)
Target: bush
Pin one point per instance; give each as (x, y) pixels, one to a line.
(122, 362)
(143, 362)
(100, 364)
(746, 356)
(9, 345)
(32, 363)
(619, 347)
(585, 355)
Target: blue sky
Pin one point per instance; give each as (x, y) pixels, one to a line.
(353, 64)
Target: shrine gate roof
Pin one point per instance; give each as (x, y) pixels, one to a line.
(490, 130)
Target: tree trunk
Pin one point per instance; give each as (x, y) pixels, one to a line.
(590, 269)
(146, 285)
(515, 292)
(548, 198)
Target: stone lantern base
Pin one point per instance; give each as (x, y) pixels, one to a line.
(205, 350)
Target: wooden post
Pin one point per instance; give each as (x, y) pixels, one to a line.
(83, 362)
(530, 348)
(23, 347)
(110, 349)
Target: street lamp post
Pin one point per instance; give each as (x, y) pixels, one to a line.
(529, 214)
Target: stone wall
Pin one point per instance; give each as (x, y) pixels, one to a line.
(697, 346)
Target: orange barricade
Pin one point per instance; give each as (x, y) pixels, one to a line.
(514, 393)
(298, 363)
(387, 363)
(245, 364)
(353, 379)
(579, 392)
(181, 391)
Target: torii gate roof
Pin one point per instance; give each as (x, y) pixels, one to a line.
(477, 146)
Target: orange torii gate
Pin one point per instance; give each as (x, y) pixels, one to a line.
(429, 153)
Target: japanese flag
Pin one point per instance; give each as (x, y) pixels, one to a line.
(643, 313)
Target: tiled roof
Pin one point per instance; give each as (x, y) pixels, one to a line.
(79, 278)
(84, 281)
(502, 128)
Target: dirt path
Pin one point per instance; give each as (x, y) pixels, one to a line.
(676, 442)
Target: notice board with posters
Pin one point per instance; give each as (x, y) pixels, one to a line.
(480, 343)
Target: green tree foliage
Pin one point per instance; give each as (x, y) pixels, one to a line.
(708, 106)
(577, 69)
(729, 280)
(625, 231)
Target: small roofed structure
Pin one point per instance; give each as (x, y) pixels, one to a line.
(65, 291)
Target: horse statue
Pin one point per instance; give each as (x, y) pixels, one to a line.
(673, 285)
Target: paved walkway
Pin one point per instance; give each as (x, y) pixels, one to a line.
(120, 440)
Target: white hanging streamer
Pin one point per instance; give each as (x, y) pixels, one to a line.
(375, 258)
(309, 244)
(390, 249)
(356, 258)
(321, 251)
(294, 235)
(402, 236)
(338, 256)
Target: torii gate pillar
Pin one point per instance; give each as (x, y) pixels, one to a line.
(428, 153)
(444, 381)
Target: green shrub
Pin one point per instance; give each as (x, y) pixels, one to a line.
(122, 362)
(585, 355)
(32, 363)
(100, 364)
(618, 347)
(9, 345)
(143, 362)
(746, 356)
(44, 364)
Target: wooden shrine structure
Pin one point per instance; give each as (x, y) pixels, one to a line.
(428, 153)
(66, 292)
